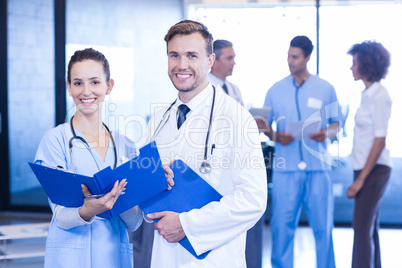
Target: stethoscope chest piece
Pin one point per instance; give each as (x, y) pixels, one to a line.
(302, 165)
(205, 167)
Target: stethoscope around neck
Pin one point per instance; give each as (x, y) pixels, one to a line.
(205, 165)
(70, 145)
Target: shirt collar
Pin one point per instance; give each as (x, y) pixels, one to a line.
(196, 100)
(371, 90)
(216, 80)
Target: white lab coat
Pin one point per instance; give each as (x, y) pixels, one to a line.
(233, 90)
(238, 173)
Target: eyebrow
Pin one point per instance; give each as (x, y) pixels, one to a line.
(91, 78)
(188, 52)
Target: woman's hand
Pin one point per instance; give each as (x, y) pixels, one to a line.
(354, 189)
(94, 206)
(169, 175)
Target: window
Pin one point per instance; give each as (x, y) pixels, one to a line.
(30, 93)
(261, 34)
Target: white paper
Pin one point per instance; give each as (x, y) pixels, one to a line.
(314, 103)
(299, 129)
(260, 112)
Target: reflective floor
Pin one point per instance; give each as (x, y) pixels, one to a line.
(390, 239)
(391, 246)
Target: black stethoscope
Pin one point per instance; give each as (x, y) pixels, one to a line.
(70, 145)
(205, 165)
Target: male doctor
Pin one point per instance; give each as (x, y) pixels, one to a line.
(233, 151)
(223, 67)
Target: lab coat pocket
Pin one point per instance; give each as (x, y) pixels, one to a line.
(126, 252)
(126, 248)
(221, 162)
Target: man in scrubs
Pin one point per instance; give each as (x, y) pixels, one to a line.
(233, 150)
(306, 112)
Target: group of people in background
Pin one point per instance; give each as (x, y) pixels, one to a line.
(230, 229)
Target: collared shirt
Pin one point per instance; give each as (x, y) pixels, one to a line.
(233, 90)
(371, 121)
(194, 102)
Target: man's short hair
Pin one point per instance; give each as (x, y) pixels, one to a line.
(304, 43)
(219, 45)
(187, 27)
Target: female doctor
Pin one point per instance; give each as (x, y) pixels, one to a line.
(77, 237)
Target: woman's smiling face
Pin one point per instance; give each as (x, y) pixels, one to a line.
(88, 86)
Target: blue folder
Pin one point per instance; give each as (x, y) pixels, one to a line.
(189, 192)
(144, 174)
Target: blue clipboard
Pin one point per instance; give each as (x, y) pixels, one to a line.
(189, 192)
(144, 174)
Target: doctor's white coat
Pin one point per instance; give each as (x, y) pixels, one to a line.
(238, 174)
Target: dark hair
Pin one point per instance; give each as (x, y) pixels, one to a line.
(88, 54)
(187, 27)
(219, 45)
(304, 43)
(373, 60)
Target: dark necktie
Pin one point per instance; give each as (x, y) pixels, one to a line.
(182, 111)
(225, 88)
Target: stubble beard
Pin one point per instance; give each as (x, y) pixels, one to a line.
(190, 88)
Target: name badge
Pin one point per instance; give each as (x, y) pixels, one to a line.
(314, 103)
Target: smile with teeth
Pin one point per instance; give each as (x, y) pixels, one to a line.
(88, 101)
(183, 76)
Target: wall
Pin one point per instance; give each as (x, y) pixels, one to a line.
(130, 34)
(31, 84)
(132, 31)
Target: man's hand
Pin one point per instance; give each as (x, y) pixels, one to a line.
(319, 136)
(262, 125)
(284, 138)
(168, 226)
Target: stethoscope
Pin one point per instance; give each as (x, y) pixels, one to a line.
(205, 165)
(302, 165)
(70, 145)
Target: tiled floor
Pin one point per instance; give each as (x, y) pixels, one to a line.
(391, 246)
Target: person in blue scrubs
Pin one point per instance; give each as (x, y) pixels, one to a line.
(77, 237)
(306, 112)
